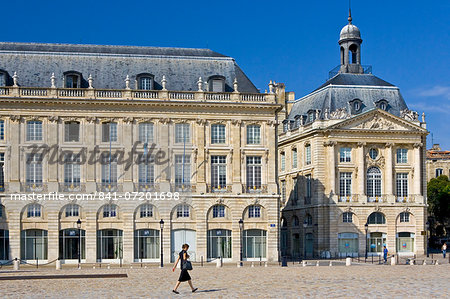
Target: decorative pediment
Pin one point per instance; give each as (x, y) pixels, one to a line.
(377, 120)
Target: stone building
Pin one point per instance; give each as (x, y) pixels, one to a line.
(203, 128)
(352, 165)
(438, 162)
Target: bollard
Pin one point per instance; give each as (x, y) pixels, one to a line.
(317, 264)
(304, 263)
(265, 264)
(131, 267)
(219, 263)
(109, 267)
(58, 265)
(93, 267)
(424, 263)
(145, 267)
(331, 263)
(348, 261)
(239, 264)
(253, 265)
(16, 264)
(436, 263)
(393, 262)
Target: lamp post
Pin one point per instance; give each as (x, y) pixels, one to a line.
(305, 225)
(241, 226)
(79, 242)
(161, 225)
(366, 226)
(428, 239)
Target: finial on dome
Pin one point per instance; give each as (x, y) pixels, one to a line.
(349, 15)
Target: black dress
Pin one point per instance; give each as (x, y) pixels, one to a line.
(184, 275)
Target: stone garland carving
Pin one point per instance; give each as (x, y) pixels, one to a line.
(339, 114)
(379, 162)
(409, 115)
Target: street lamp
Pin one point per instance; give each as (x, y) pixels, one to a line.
(305, 225)
(428, 239)
(161, 225)
(79, 242)
(366, 226)
(241, 226)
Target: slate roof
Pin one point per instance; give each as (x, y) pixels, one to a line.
(109, 65)
(338, 91)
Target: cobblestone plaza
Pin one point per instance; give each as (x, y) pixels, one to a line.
(361, 281)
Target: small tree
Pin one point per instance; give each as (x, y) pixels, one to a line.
(439, 200)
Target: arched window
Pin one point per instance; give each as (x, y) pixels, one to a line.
(295, 221)
(72, 210)
(373, 183)
(109, 210)
(183, 211)
(353, 53)
(146, 211)
(34, 210)
(376, 218)
(254, 211)
(404, 217)
(308, 220)
(218, 211)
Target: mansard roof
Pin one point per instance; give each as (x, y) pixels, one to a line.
(109, 65)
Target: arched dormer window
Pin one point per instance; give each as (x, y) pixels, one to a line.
(356, 106)
(216, 83)
(382, 104)
(145, 81)
(72, 79)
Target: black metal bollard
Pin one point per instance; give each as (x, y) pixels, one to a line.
(284, 262)
(201, 260)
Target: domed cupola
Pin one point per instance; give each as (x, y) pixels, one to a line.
(350, 42)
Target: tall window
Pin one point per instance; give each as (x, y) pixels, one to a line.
(295, 190)
(345, 154)
(2, 130)
(308, 189)
(402, 155)
(308, 154)
(109, 170)
(182, 134)
(254, 211)
(2, 172)
(182, 171)
(253, 134)
(373, 183)
(219, 171)
(146, 83)
(347, 217)
(72, 81)
(33, 244)
(439, 172)
(217, 134)
(283, 191)
(109, 210)
(146, 211)
(345, 185)
(283, 161)
(72, 172)
(146, 171)
(253, 172)
(376, 218)
(34, 130)
(218, 211)
(294, 158)
(34, 169)
(34, 210)
(404, 217)
(402, 184)
(72, 210)
(146, 132)
(71, 131)
(183, 211)
(109, 132)
(217, 85)
(309, 220)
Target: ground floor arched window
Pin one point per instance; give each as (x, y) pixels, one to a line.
(146, 244)
(405, 242)
(109, 244)
(219, 243)
(4, 245)
(70, 242)
(348, 244)
(34, 244)
(255, 243)
(376, 242)
(184, 236)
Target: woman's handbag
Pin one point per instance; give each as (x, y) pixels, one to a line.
(187, 265)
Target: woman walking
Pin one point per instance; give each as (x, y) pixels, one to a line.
(184, 275)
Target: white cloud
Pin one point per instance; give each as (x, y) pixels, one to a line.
(435, 91)
(428, 107)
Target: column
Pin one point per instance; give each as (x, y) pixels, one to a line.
(127, 238)
(235, 142)
(90, 225)
(53, 235)
(361, 170)
(388, 174)
(417, 168)
(199, 165)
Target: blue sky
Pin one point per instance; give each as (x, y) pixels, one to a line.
(294, 42)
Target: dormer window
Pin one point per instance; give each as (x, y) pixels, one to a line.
(382, 104)
(216, 84)
(356, 106)
(145, 81)
(72, 80)
(310, 116)
(2, 79)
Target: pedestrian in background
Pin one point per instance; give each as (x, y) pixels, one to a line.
(186, 265)
(444, 249)
(385, 253)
